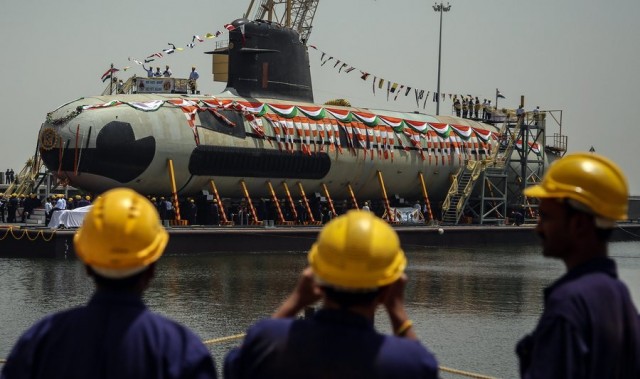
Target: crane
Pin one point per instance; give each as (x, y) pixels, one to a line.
(297, 14)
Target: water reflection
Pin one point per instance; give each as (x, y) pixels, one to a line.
(469, 306)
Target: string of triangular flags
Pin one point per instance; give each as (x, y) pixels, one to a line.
(172, 48)
(393, 89)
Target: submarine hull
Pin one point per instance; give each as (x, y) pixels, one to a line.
(104, 142)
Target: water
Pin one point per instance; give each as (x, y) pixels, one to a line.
(469, 306)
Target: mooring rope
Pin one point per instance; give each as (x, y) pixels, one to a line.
(628, 232)
(25, 232)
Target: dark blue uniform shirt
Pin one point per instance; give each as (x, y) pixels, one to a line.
(114, 336)
(589, 328)
(332, 344)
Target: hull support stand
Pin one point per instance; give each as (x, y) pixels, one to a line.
(390, 215)
(223, 214)
(174, 195)
(251, 208)
(426, 197)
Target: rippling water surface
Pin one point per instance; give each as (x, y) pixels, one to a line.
(469, 306)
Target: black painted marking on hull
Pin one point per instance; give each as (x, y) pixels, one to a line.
(258, 163)
(118, 155)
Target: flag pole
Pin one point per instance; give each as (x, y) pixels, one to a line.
(497, 92)
(111, 80)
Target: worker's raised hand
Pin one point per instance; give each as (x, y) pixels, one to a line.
(305, 293)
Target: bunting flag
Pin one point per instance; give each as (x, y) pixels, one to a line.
(441, 129)
(313, 127)
(314, 113)
(369, 119)
(340, 114)
(297, 123)
(306, 129)
(348, 129)
(256, 124)
(392, 87)
(336, 133)
(196, 37)
(275, 124)
(291, 130)
(286, 111)
(229, 27)
(171, 50)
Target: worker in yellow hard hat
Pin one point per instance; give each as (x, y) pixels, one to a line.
(589, 327)
(114, 335)
(355, 267)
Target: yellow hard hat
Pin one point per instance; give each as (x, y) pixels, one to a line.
(121, 234)
(77, 197)
(87, 197)
(357, 251)
(590, 179)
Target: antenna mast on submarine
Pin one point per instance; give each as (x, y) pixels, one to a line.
(297, 14)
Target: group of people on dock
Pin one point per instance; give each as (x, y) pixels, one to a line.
(589, 327)
(7, 177)
(167, 73)
(16, 208)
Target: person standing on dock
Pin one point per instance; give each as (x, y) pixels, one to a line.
(355, 266)
(590, 327)
(149, 71)
(114, 335)
(167, 72)
(193, 80)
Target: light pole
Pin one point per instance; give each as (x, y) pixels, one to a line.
(440, 8)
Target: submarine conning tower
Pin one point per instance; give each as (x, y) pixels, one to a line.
(268, 60)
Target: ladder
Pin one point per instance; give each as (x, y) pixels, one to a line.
(465, 179)
(25, 182)
(461, 188)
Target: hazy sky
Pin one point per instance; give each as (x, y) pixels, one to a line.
(581, 57)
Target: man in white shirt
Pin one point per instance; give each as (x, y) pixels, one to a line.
(193, 77)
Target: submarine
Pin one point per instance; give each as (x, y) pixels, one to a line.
(263, 128)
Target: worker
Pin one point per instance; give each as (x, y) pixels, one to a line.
(589, 327)
(355, 266)
(114, 335)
